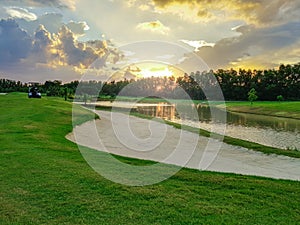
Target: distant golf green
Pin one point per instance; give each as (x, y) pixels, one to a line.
(45, 180)
(273, 108)
(280, 109)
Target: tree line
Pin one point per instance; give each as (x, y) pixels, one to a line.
(235, 85)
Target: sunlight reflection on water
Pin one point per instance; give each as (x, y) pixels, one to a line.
(270, 131)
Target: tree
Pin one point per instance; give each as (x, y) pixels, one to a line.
(66, 93)
(85, 98)
(252, 95)
(280, 98)
(53, 88)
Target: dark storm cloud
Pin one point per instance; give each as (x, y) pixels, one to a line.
(76, 55)
(15, 43)
(51, 50)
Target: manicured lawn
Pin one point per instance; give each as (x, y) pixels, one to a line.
(45, 180)
(295, 153)
(280, 109)
(274, 108)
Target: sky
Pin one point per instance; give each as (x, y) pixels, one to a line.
(98, 39)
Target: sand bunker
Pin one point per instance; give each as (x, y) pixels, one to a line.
(146, 139)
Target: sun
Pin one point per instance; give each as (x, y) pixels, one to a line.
(156, 72)
(151, 69)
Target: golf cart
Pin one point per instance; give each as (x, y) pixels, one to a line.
(34, 93)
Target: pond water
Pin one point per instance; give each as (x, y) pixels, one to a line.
(277, 132)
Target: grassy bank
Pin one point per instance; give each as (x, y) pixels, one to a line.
(274, 108)
(238, 142)
(45, 180)
(295, 153)
(279, 109)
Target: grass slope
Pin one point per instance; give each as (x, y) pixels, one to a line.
(45, 180)
(279, 109)
(269, 108)
(295, 153)
(230, 140)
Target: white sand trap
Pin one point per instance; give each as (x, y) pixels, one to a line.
(159, 142)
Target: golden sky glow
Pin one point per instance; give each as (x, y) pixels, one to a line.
(153, 26)
(77, 33)
(156, 72)
(147, 70)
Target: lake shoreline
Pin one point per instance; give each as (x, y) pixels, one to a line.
(231, 158)
(267, 108)
(229, 140)
(234, 110)
(291, 152)
(45, 180)
(290, 110)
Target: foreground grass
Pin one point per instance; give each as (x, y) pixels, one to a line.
(45, 180)
(279, 109)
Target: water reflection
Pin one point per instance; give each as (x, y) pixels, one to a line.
(161, 110)
(267, 130)
(167, 111)
(261, 121)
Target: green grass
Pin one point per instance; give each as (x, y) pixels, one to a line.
(295, 153)
(279, 109)
(237, 142)
(144, 100)
(45, 180)
(269, 108)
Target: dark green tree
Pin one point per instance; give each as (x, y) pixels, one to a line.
(252, 96)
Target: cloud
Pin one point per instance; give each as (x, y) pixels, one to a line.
(70, 4)
(49, 50)
(261, 12)
(255, 47)
(165, 57)
(42, 39)
(198, 44)
(63, 49)
(154, 26)
(78, 28)
(76, 54)
(51, 21)
(40, 73)
(20, 13)
(15, 43)
(278, 11)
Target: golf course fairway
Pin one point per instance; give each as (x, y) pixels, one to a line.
(45, 180)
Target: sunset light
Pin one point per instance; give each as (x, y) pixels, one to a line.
(150, 112)
(154, 72)
(62, 39)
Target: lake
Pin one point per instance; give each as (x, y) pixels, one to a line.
(266, 130)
